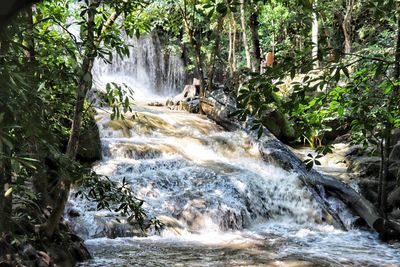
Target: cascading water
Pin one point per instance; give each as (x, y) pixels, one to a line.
(149, 70)
(221, 204)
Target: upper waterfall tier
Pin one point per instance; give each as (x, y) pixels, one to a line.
(149, 69)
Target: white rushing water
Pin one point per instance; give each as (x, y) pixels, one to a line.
(221, 204)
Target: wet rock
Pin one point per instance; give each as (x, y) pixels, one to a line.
(191, 106)
(395, 154)
(155, 104)
(73, 213)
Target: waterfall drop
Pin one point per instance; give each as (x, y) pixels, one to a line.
(150, 70)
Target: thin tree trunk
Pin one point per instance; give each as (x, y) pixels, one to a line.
(314, 37)
(380, 174)
(85, 84)
(385, 170)
(232, 45)
(254, 25)
(244, 34)
(29, 42)
(392, 105)
(5, 185)
(346, 26)
(214, 56)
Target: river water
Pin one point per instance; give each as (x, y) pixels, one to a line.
(221, 203)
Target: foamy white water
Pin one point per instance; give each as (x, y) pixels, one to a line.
(223, 205)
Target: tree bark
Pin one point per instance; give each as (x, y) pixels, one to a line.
(195, 43)
(232, 45)
(29, 42)
(346, 26)
(314, 36)
(385, 170)
(244, 34)
(85, 83)
(254, 25)
(5, 184)
(214, 56)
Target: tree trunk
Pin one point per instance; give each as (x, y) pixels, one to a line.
(232, 45)
(379, 200)
(254, 25)
(5, 200)
(346, 26)
(29, 42)
(244, 34)
(85, 83)
(314, 37)
(214, 56)
(385, 171)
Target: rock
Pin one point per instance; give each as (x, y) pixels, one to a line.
(395, 154)
(335, 128)
(394, 171)
(44, 258)
(346, 138)
(369, 189)
(191, 106)
(394, 198)
(365, 166)
(395, 138)
(395, 214)
(355, 151)
(40, 262)
(278, 125)
(89, 149)
(155, 104)
(73, 213)
(29, 252)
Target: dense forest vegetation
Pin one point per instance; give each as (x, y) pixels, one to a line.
(307, 70)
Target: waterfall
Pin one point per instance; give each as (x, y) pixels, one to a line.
(150, 70)
(193, 172)
(221, 204)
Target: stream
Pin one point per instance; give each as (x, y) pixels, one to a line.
(221, 203)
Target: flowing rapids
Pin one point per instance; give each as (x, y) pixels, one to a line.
(220, 203)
